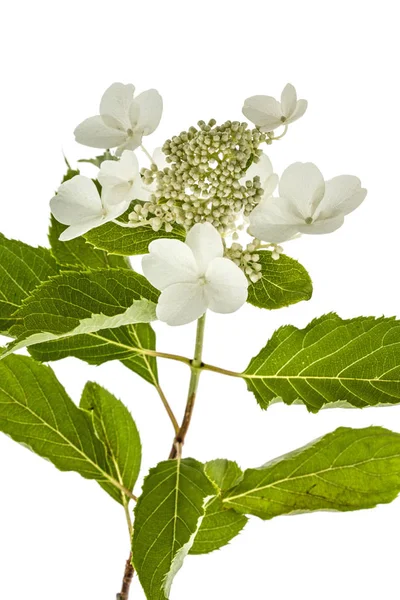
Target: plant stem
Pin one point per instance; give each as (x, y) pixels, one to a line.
(185, 360)
(128, 518)
(168, 408)
(214, 369)
(127, 580)
(195, 366)
(147, 154)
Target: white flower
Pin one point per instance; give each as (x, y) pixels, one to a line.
(121, 180)
(269, 114)
(79, 205)
(194, 276)
(160, 159)
(123, 119)
(262, 169)
(306, 204)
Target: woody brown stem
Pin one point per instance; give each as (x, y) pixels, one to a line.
(127, 580)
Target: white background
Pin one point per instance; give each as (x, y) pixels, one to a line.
(61, 536)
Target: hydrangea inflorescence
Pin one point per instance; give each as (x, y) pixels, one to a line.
(210, 174)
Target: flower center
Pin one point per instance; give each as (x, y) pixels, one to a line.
(309, 220)
(130, 132)
(202, 280)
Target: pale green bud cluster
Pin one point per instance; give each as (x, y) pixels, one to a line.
(202, 180)
(247, 258)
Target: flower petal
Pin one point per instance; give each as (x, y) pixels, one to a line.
(74, 231)
(169, 262)
(299, 111)
(115, 105)
(150, 110)
(322, 226)
(114, 172)
(206, 244)
(303, 184)
(160, 159)
(269, 186)
(182, 303)
(273, 220)
(263, 111)
(288, 100)
(95, 133)
(226, 286)
(76, 200)
(262, 169)
(113, 211)
(131, 143)
(116, 194)
(343, 194)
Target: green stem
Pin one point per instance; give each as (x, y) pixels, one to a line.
(128, 518)
(195, 366)
(147, 154)
(214, 369)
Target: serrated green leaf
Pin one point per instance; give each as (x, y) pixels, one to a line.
(79, 253)
(349, 469)
(36, 411)
(140, 311)
(115, 427)
(220, 524)
(284, 281)
(168, 515)
(129, 241)
(70, 304)
(223, 473)
(354, 362)
(22, 269)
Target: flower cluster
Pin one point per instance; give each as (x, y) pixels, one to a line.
(215, 181)
(204, 178)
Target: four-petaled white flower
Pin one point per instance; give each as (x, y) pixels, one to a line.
(269, 114)
(306, 204)
(194, 276)
(121, 180)
(123, 120)
(263, 169)
(79, 205)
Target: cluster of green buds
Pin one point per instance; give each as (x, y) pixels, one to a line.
(204, 179)
(247, 258)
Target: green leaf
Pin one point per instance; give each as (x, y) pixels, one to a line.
(353, 362)
(220, 524)
(115, 427)
(128, 241)
(284, 281)
(167, 517)
(22, 269)
(223, 473)
(79, 253)
(91, 310)
(349, 469)
(36, 411)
